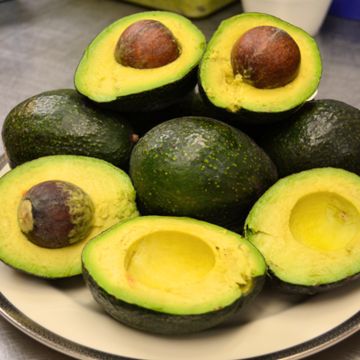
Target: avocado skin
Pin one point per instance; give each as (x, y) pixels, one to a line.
(243, 117)
(155, 99)
(64, 122)
(218, 184)
(324, 133)
(165, 324)
(308, 290)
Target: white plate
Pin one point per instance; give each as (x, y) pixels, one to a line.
(62, 315)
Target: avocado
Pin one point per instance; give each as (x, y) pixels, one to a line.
(170, 275)
(307, 226)
(145, 61)
(201, 168)
(322, 133)
(61, 122)
(259, 68)
(50, 246)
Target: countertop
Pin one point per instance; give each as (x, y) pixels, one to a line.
(41, 43)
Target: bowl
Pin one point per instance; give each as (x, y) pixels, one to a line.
(306, 14)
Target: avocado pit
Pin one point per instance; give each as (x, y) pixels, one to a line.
(54, 214)
(146, 44)
(266, 57)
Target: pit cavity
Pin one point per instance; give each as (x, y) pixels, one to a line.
(325, 221)
(167, 258)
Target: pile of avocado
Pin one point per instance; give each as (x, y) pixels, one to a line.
(178, 175)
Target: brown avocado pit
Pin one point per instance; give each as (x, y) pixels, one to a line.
(54, 214)
(146, 44)
(266, 57)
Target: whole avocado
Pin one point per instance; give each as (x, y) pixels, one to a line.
(323, 133)
(61, 122)
(199, 167)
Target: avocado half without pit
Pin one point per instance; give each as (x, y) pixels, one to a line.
(258, 68)
(51, 207)
(307, 226)
(145, 61)
(170, 275)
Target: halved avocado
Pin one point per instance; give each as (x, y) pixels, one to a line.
(104, 79)
(108, 189)
(231, 92)
(307, 226)
(171, 275)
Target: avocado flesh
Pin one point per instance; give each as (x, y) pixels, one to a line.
(108, 187)
(231, 93)
(176, 266)
(307, 226)
(101, 78)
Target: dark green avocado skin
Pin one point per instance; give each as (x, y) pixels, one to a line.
(64, 122)
(324, 133)
(242, 117)
(155, 99)
(307, 289)
(161, 323)
(201, 168)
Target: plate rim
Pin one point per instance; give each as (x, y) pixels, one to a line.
(68, 347)
(63, 345)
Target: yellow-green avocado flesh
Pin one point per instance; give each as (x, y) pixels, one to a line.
(101, 78)
(109, 188)
(231, 93)
(171, 271)
(307, 226)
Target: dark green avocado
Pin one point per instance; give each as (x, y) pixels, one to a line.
(64, 122)
(199, 167)
(322, 133)
(50, 208)
(307, 227)
(142, 62)
(171, 276)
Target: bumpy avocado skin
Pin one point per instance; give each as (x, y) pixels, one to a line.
(64, 122)
(202, 168)
(323, 133)
(161, 323)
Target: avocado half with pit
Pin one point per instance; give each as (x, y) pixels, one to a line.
(145, 61)
(170, 275)
(307, 226)
(259, 68)
(50, 208)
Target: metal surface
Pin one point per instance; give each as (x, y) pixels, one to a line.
(41, 43)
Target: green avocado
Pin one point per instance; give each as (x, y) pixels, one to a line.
(61, 122)
(170, 275)
(51, 246)
(307, 226)
(323, 133)
(117, 69)
(242, 94)
(201, 168)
